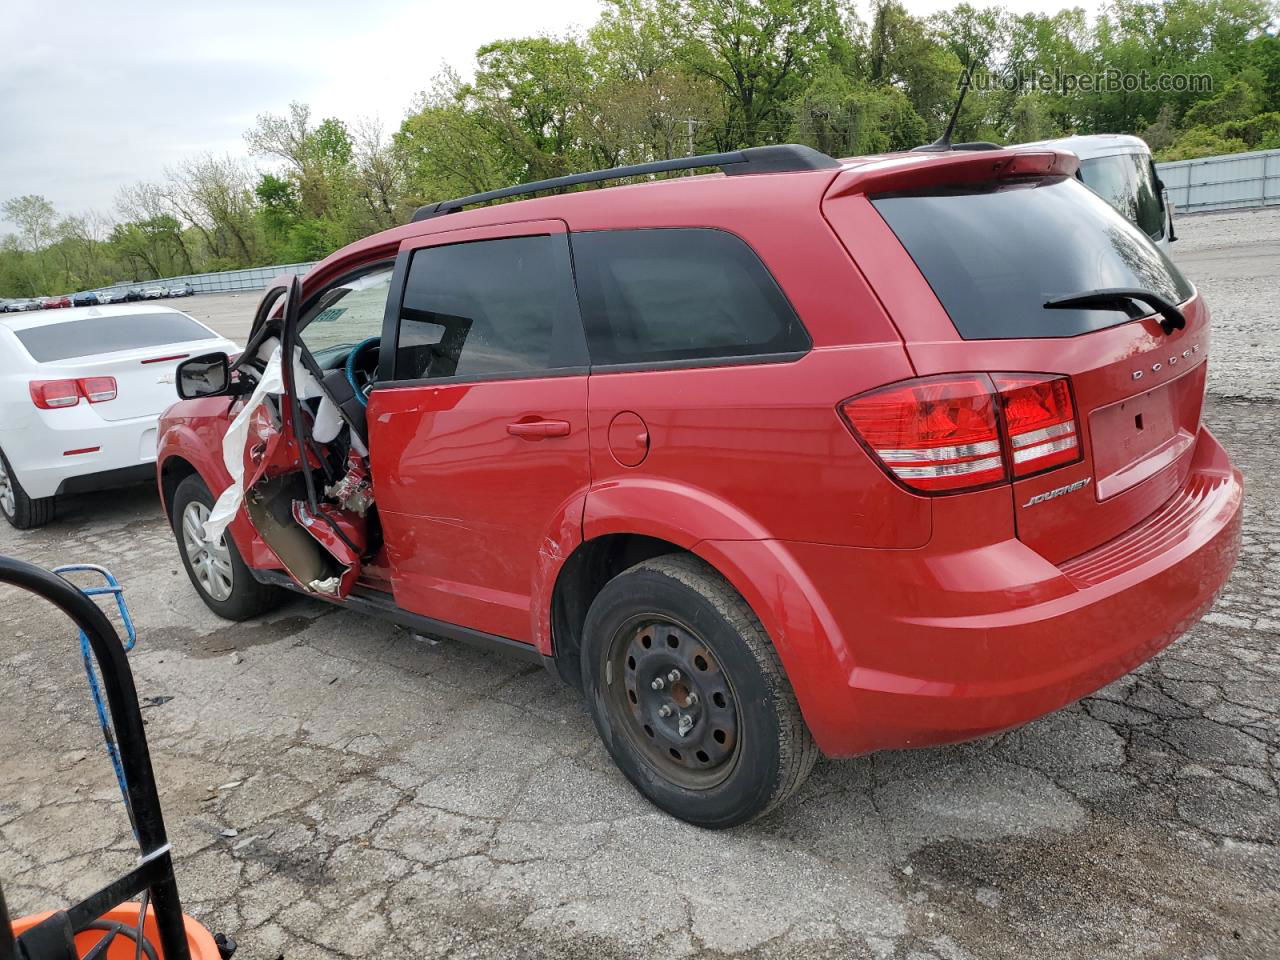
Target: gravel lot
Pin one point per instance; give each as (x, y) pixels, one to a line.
(397, 799)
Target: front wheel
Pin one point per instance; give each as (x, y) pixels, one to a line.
(689, 695)
(219, 575)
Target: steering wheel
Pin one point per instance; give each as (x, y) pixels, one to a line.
(359, 375)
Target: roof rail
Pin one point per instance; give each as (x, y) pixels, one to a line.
(773, 159)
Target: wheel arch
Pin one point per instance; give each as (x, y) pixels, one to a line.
(173, 470)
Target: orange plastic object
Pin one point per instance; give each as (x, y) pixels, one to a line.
(199, 940)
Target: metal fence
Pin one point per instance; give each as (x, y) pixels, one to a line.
(1223, 183)
(250, 278)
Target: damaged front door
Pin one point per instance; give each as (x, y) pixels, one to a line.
(304, 495)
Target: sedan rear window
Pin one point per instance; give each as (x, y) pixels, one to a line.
(91, 336)
(994, 255)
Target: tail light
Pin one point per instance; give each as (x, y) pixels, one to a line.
(1040, 420)
(968, 431)
(53, 394)
(98, 389)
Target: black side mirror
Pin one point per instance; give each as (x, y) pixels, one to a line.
(204, 376)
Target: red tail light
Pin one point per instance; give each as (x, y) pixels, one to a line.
(963, 432)
(98, 389)
(934, 434)
(1040, 420)
(53, 394)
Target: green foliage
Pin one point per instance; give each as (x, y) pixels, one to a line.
(653, 79)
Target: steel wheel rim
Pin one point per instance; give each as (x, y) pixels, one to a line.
(210, 562)
(8, 501)
(694, 742)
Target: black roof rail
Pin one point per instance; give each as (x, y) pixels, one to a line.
(772, 159)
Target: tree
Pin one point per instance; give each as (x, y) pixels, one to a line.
(760, 53)
(34, 217)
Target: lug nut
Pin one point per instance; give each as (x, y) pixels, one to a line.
(691, 699)
(657, 683)
(673, 676)
(665, 710)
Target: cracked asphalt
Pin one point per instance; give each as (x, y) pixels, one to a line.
(335, 788)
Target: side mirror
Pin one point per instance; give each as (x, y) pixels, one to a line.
(204, 376)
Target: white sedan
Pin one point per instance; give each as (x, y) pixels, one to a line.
(80, 393)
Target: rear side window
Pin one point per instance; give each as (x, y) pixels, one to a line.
(651, 296)
(995, 255)
(108, 334)
(485, 308)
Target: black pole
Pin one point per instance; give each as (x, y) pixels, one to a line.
(122, 701)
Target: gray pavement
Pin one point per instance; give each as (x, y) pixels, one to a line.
(395, 799)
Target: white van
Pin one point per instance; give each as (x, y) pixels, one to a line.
(1119, 168)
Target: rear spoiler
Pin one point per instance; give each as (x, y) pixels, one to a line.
(917, 171)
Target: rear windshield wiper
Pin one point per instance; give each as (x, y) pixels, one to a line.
(1127, 299)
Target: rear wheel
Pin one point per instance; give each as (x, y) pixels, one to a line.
(689, 696)
(22, 511)
(219, 575)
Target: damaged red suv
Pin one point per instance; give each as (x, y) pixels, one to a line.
(800, 456)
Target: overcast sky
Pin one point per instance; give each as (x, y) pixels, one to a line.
(94, 96)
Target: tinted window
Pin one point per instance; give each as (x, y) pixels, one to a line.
(995, 255)
(487, 307)
(1125, 181)
(347, 313)
(108, 334)
(1150, 210)
(661, 295)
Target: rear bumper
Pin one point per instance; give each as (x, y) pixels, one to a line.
(42, 452)
(920, 647)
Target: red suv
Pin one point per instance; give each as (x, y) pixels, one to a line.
(804, 456)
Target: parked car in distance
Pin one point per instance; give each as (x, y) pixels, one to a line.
(80, 394)
(112, 295)
(813, 456)
(86, 299)
(1120, 169)
(154, 292)
(56, 303)
(182, 290)
(23, 305)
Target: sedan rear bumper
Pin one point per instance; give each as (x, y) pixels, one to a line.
(63, 458)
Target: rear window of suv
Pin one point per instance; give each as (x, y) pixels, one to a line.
(91, 336)
(994, 255)
(677, 294)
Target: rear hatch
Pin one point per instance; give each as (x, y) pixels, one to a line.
(139, 351)
(965, 251)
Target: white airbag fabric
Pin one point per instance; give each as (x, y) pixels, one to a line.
(237, 435)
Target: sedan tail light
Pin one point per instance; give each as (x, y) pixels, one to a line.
(967, 431)
(98, 389)
(53, 394)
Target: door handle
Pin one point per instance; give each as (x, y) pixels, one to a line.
(537, 429)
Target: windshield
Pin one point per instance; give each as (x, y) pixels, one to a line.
(995, 254)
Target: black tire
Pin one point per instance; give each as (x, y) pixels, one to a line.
(22, 512)
(246, 598)
(746, 748)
